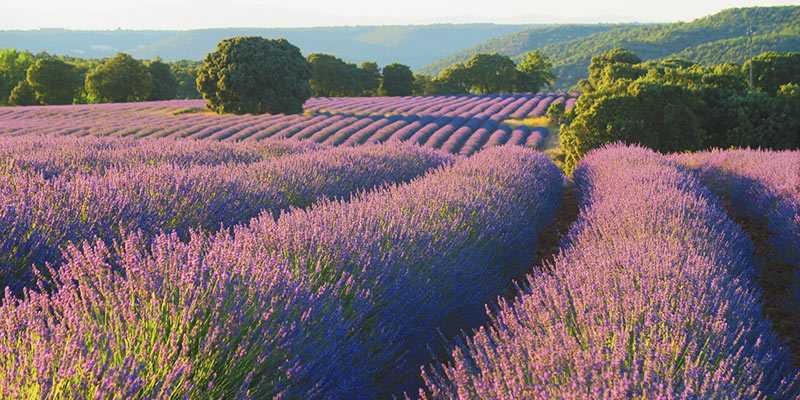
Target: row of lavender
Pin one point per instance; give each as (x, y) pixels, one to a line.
(519, 106)
(456, 124)
(652, 296)
(59, 191)
(68, 156)
(765, 187)
(342, 300)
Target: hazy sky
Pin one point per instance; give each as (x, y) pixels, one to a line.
(189, 14)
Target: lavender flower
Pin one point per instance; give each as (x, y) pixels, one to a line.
(652, 295)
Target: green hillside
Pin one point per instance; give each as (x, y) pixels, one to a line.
(517, 43)
(721, 37)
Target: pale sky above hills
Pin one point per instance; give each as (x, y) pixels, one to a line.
(191, 14)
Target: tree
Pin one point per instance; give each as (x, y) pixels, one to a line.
(491, 73)
(619, 58)
(165, 86)
(397, 80)
(255, 75)
(331, 77)
(13, 69)
(118, 80)
(790, 90)
(369, 80)
(673, 106)
(555, 113)
(54, 81)
(454, 79)
(424, 85)
(771, 70)
(185, 73)
(535, 72)
(22, 95)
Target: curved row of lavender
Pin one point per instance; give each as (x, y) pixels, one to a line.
(53, 156)
(651, 296)
(525, 103)
(764, 186)
(456, 124)
(336, 301)
(177, 319)
(421, 260)
(40, 215)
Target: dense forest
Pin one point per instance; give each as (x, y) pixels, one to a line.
(719, 38)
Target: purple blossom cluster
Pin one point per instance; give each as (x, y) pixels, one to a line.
(340, 300)
(420, 260)
(53, 156)
(41, 214)
(652, 295)
(456, 124)
(764, 185)
(176, 320)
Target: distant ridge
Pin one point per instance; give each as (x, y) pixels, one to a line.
(718, 38)
(414, 45)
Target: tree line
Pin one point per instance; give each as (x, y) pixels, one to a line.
(676, 105)
(490, 73)
(31, 79)
(28, 79)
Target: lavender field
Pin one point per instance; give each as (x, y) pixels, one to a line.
(455, 124)
(389, 247)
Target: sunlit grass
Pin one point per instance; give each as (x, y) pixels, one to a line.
(191, 110)
(532, 122)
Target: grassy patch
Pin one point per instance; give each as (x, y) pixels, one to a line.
(532, 122)
(190, 110)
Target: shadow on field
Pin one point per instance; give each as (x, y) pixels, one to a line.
(524, 263)
(775, 276)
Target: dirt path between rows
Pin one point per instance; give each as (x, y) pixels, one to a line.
(548, 244)
(775, 279)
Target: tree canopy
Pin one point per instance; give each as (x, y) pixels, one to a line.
(331, 77)
(535, 72)
(118, 80)
(675, 105)
(54, 81)
(255, 75)
(369, 78)
(495, 73)
(491, 73)
(398, 80)
(771, 70)
(165, 86)
(13, 69)
(22, 95)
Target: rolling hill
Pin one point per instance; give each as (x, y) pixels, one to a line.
(517, 43)
(721, 37)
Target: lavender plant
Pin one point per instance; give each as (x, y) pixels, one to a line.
(651, 296)
(336, 121)
(43, 215)
(419, 258)
(176, 320)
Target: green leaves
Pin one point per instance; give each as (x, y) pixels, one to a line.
(397, 80)
(675, 105)
(119, 80)
(255, 75)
